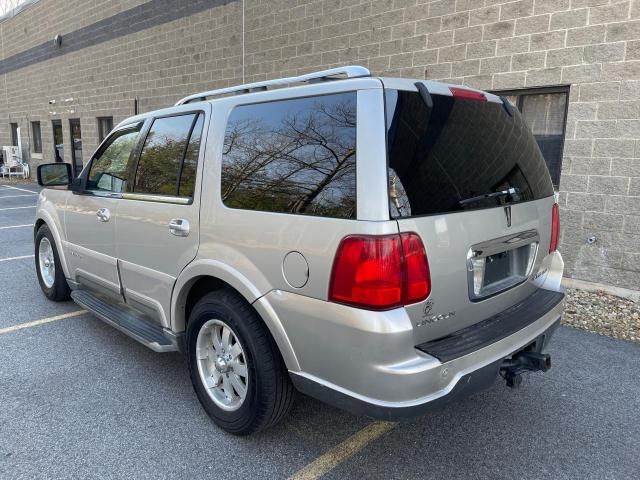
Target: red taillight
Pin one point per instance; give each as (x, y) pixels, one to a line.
(417, 285)
(555, 228)
(467, 94)
(380, 272)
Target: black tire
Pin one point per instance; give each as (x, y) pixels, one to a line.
(270, 393)
(59, 291)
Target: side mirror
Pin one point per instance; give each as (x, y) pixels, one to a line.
(54, 175)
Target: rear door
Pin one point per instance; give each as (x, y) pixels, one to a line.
(157, 231)
(467, 175)
(90, 222)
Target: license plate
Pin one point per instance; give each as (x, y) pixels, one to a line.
(500, 264)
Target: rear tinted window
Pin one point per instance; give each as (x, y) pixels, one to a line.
(292, 156)
(441, 158)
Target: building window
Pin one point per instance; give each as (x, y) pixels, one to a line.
(58, 142)
(37, 137)
(14, 134)
(545, 111)
(76, 145)
(105, 125)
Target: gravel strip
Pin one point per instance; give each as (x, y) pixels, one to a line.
(604, 314)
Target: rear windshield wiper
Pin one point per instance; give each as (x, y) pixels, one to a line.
(502, 193)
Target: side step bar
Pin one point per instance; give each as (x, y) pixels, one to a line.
(128, 321)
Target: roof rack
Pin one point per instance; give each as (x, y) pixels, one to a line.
(352, 71)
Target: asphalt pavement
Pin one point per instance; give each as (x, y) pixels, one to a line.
(79, 399)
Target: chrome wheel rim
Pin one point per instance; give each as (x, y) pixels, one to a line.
(46, 262)
(222, 365)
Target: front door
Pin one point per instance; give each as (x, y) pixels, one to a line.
(157, 232)
(90, 216)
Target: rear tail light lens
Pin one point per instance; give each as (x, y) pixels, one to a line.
(380, 272)
(417, 277)
(467, 94)
(555, 228)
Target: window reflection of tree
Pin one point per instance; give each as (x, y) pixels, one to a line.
(303, 162)
(159, 164)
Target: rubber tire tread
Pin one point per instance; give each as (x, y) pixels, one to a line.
(273, 393)
(60, 291)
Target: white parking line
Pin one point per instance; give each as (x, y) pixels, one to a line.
(16, 188)
(343, 451)
(15, 208)
(16, 196)
(16, 258)
(42, 321)
(16, 226)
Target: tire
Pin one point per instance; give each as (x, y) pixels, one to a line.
(54, 286)
(269, 393)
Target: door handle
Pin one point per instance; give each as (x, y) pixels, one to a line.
(179, 227)
(103, 214)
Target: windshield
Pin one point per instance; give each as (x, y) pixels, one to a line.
(453, 156)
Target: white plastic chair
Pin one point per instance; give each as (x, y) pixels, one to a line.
(13, 164)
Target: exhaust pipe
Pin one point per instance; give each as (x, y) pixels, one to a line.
(524, 361)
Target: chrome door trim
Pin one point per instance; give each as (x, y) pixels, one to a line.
(158, 198)
(179, 227)
(103, 214)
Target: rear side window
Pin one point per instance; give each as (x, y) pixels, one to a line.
(190, 164)
(110, 168)
(442, 159)
(292, 156)
(171, 144)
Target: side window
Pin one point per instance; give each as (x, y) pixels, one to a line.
(190, 164)
(163, 168)
(109, 169)
(292, 156)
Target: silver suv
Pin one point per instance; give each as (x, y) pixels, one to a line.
(381, 244)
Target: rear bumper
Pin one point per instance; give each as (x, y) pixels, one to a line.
(367, 362)
(464, 386)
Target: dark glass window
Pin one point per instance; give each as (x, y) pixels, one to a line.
(37, 137)
(190, 164)
(58, 142)
(161, 158)
(292, 156)
(109, 169)
(76, 145)
(545, 111)
(105, 125)
(442, 157)
(14, 134)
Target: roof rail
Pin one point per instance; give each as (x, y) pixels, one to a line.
(331, 74)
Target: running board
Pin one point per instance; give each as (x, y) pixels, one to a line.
(128, 321)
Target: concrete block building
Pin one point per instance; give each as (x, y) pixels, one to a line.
(71, 70)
